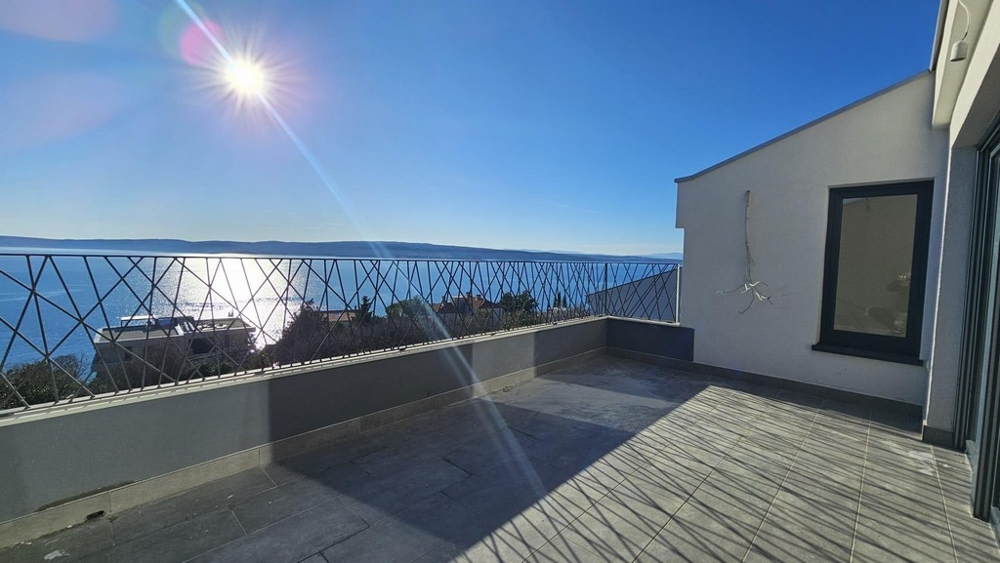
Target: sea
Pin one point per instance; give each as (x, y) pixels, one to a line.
(53, 304)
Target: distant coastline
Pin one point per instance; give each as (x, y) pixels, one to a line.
(338, 249)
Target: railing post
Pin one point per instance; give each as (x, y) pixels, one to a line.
(677, 295)
(605, 306)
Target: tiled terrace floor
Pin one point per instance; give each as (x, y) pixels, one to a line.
(610, 460)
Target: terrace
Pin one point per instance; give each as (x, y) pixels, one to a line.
(584, 435)
(607, 460)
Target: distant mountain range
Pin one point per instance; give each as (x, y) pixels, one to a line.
(340, 249)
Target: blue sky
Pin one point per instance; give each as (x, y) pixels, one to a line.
(555, 125)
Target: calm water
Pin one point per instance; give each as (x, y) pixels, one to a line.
(264, 292)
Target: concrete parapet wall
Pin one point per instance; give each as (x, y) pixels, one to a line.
(114, 453)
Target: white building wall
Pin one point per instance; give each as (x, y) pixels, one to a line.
(977, 101)
(946, 354)
(887, 138)
(975, 87)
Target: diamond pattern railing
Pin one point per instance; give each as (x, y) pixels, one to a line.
(73, 327)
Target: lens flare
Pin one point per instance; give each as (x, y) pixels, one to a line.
(245, 78)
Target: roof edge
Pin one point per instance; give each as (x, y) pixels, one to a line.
(939, 33)
(801, 128)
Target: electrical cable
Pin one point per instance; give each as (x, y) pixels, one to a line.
(749, 285)
(968, 19)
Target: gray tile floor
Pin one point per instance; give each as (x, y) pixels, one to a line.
(611, 460)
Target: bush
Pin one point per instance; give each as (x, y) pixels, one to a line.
(34, 381)
(166, 364)
(307, 336)
(523, 302)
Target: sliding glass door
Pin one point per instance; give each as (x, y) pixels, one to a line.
(977, 427)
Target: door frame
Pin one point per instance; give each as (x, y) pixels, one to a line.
(979, 379)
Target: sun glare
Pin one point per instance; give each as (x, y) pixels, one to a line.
(245, 78)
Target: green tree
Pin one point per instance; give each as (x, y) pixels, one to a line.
(411, 308)
(518, 302)
(364, 313)
(519, 310)
(305, 337)
(34, 381)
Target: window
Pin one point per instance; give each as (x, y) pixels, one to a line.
(875, 271)
(201, 346)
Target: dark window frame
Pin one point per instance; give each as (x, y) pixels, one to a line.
(881, 347)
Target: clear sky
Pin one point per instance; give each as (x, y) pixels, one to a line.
(549, 125)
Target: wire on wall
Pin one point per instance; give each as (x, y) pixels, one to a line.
(750, 285)
(968, 19)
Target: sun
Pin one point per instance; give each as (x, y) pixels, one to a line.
(245, 78)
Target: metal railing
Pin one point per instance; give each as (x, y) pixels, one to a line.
(74, 327)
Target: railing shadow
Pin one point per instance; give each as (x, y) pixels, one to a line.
(602, 454)
(497, 478)
(496, 475)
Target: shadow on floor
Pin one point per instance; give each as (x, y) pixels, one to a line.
(588, 463)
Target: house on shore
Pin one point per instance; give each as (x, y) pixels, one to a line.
(453, 307)
(141, 342)
(338, 316)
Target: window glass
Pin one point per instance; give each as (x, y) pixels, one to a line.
(875, 264)
(875, 270)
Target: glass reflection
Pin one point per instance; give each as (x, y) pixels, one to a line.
(876, 258)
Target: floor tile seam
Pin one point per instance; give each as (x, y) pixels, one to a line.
(114, 517)
(861, 494)
(698, 418)
(567, 525)
(263, 469)
(577, 544)
(595, 503)
(357, 465)
(791, 393)
(225, 506)
(801, 447)
(605, 495)
(271, 478)
(683, 504)
(732, 400)
(726, 399)
(456, 466)
(559, 529)
(343, 539)
(368, 524)
(114, 540)
(314, 507)
(246, 535)
(798, 442)
(337, 495)
(617, 485)
(299, 475)
(574, 520)
(425, 552)
(197, 555)
(761, 414)
(944, 504)
(519, 431)
(237, 517)
(770, 505)
(567, 540)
